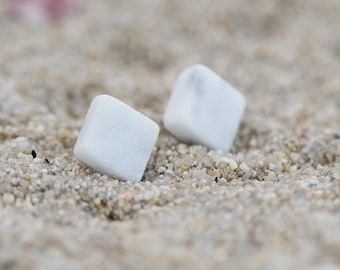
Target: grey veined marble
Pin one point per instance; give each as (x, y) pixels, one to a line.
(115, 139)
(204, 109)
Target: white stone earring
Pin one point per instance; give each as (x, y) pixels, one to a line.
(115, 139)
(204, 109)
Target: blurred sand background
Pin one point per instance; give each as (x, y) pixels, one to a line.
(273, 202)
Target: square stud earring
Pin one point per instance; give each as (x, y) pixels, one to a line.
(204, 109)
(115, 139)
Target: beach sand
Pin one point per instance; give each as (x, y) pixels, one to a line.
(273, 202)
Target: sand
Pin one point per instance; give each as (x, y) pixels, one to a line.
(273, 202)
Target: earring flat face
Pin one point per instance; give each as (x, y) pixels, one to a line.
(115, 139)
(204, 109)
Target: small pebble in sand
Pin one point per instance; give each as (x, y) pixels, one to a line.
(8, 198)
(115, 139)
(34, 154)
(204, 109)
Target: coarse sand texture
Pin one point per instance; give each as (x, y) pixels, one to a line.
(272, 201)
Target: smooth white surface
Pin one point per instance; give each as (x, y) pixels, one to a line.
(204, 109)
(115, 139)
